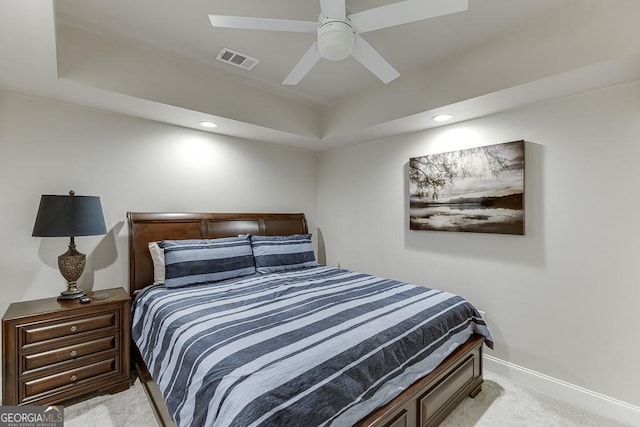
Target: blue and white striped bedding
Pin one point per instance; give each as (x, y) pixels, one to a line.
(193, 262)
(280, 253)
(318, 346)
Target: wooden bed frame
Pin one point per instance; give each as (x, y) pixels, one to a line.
(425, 403)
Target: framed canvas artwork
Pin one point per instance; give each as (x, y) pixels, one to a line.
(477, 190)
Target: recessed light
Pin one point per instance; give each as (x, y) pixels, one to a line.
(206, 124)
(442, 117)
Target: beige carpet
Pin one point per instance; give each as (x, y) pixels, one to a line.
(501, 403)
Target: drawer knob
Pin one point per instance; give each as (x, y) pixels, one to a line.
(74, 328)
(74, 353)
(74, 377)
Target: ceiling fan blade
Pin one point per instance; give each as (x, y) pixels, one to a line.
(333, 8)
(404, 12)
(370, 58)
(250, 23)
(303, 66)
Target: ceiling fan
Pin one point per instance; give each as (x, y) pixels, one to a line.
(338, 34)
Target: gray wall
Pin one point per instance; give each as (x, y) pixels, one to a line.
(133, 165)
(563, 299)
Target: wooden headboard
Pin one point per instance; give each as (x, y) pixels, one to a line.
(145, 227)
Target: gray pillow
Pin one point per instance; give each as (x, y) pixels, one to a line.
(281, 253)
(192, 262)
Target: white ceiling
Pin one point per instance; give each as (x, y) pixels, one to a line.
(183, 28)
(156, 60)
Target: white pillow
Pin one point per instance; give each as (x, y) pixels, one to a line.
(157, 256)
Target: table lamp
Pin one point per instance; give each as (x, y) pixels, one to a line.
(70, 216)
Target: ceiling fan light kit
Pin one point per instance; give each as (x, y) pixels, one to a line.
(339, 35)
(336, 40)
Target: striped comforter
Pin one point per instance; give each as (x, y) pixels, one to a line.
(318, 346)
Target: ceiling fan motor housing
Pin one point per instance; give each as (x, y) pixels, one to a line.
(336, 39)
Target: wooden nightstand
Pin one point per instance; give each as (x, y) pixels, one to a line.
(54, 351)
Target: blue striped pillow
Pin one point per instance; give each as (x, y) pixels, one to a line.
(280, 253)
(192, 262)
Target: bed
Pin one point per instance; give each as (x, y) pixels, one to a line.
(389, 400)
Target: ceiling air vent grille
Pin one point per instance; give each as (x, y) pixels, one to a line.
(238, 59)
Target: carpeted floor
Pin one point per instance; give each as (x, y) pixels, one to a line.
(501, 403)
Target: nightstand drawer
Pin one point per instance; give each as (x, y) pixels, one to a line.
(70, 326)
(70, 352)
(70, 378)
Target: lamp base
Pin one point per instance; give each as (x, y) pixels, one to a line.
(71, 265)
(74, 293)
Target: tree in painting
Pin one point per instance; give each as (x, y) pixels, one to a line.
(479, 189)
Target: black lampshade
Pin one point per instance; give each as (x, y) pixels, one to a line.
(66, 216)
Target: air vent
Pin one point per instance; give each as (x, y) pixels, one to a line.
(238, 59)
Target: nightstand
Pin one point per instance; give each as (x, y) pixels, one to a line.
(55, 351)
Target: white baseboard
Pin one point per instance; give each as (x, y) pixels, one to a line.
(589, 400)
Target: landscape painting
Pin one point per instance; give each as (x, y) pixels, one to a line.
(478, 190)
